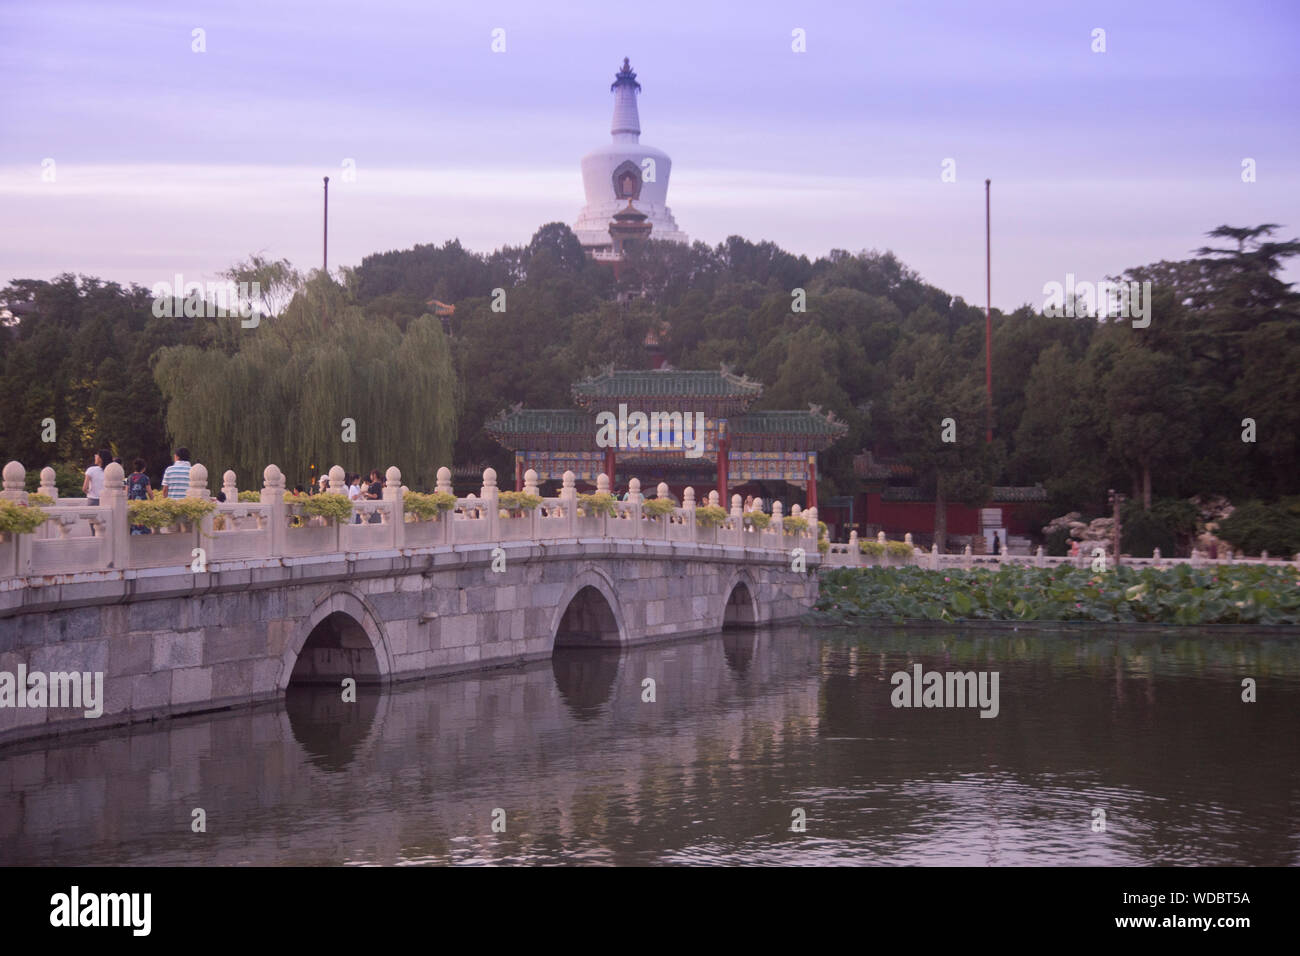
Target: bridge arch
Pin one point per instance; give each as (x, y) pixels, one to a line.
(589, 612)
(740, 606)
(342, 633)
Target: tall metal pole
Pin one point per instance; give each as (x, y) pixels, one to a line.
(325, 254)
(988, 309)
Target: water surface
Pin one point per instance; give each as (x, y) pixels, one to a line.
(746, 728)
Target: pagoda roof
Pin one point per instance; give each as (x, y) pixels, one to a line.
(539, 421)
(811, 422)
(634, 383)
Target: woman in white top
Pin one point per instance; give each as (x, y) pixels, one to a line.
(92, 486)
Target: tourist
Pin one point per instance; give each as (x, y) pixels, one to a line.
(749, 503)
(997, 544)
(92, 485)
(354, 494)
(324, 484)
(137, 489)
(176, 479)
(375, 492)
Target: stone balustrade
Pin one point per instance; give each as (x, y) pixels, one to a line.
(83, 538)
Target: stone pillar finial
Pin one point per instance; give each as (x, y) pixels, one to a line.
(443, 486)
(776, 514)
(230, 486)
(15, 482)
(273, 480)
(853, 540)
(569, 482)
(688, 498)
(907, 539)
(736, 505)
(602, 484)
(795, 510)
(880, 537)
(634, 489)
(530, 482)
(393, 477)
(49, 483)
(198, 487)
(662, 490)
(338, 477)
(713, 499)
(489, 481)
(757, 505)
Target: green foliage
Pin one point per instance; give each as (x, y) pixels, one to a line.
(710, 516)
(67, 479)
(898, 549)
(17, 518)
(38, 500)
(290, 384)
(1237, 594)
(166, 512)
(598, 503)
(824, 545)
(1057, 544)
(657, 507)
(333, 508)
(794, 524)
(823, 531)
(427, 507)
(518, 500)
(758, 519)
(252, 497)
(868, 546)
(1255, 526)
(1170, 525)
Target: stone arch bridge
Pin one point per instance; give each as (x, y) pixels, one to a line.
(279, 598)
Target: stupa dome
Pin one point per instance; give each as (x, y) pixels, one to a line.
(625, 169)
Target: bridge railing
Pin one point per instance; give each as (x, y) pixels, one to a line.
(78, 537)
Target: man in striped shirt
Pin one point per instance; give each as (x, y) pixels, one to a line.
(176, 479)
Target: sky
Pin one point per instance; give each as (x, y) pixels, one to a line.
(126, 154)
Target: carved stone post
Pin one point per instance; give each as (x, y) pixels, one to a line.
(491, 503)
(443, 487)
(393, 494)
(569, 502)
(48, 485)
(113, 502)
(273, 498)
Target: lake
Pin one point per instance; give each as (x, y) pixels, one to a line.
(749, 735)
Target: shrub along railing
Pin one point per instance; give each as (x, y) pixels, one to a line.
(76, 537)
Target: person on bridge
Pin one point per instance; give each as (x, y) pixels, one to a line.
(176, 479)
(137, 489)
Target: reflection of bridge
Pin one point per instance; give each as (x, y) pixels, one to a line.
(267, 603)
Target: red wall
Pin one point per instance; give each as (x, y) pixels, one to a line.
(900, 517)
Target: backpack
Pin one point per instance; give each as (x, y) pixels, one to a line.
(136, 485)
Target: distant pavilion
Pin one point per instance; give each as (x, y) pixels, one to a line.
(740, 450)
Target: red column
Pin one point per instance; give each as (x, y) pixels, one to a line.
(812, 481)
(610, 466)
(724, 449)
(519, 472)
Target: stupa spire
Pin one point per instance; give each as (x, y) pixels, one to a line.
(626, 127)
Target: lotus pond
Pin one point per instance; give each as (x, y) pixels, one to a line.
(1222, 594)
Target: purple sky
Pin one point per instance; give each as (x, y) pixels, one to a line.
(169, 161)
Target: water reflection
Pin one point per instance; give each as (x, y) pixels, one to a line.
(745, 728)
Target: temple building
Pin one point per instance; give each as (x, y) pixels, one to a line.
(683, 428)
(625, 175)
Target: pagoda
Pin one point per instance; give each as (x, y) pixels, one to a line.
(697, 429)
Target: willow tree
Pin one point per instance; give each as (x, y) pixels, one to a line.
(319, 385)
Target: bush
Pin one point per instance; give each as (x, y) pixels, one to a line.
(1057, 544)
(794, 525)
(1170, 525)
(823, 531)
(16, 518)
(823, 545)
(898, 549)
(657, 507)
(331, 507)
(38, 500)
(873, 548)
(427, 507)
(1256, 526)
(710, 516)
(165, 512)
(600, 503)
(518, 500)
(250, 497)
(758, 520)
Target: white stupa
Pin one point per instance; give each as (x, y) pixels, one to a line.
(622, 171)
